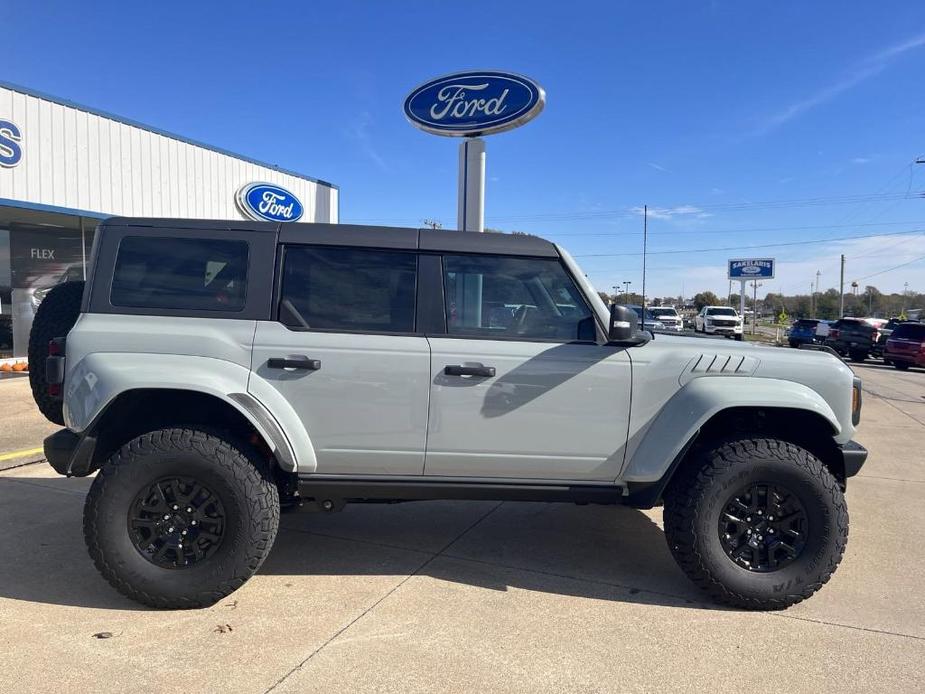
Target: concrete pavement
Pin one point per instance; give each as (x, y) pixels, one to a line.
(23, 427)
(462, 596)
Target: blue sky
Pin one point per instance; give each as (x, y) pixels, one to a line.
(739, 124)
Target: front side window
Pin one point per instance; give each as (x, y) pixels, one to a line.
(514, 298)
(180, 273)
(348, 289)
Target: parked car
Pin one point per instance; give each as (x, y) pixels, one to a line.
(719, 320)
(802, 332)
(650, 322)
(885, 331)
(906, 346)
(854, 337)
(212, 376)
(669, 317)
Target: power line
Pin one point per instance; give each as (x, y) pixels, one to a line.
(764, 245)
(736, 231)
(895, 267)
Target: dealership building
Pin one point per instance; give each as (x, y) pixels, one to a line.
(64, 167)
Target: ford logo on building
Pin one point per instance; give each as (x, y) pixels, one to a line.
(266, 202)
(467, 104)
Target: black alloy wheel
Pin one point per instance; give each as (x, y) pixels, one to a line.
(176, 522)
(763, 527)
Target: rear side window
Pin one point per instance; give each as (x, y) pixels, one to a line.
(910, 331)
(515, 299)
(180, 273)
(348, 289)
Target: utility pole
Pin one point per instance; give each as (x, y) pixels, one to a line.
(841, 289)
(816, 291)
(615, 292)
(812, 301)
(905, 296)
(645, 239)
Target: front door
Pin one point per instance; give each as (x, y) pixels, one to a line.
(520, 387)
(344, 354)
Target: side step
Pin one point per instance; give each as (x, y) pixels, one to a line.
(323, 489)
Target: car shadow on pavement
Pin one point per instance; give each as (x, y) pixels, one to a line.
(597, 552)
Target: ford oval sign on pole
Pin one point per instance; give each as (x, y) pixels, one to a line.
(468, 104)
(266, 202)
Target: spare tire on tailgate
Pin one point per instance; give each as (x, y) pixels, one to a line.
(55, 317)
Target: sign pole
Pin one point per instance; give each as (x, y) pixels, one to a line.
(471, 206)
(742, 303)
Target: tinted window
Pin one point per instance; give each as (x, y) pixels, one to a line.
(910, 331)
(806, 323)
(721, 312)
(174, 273)
(348, 289)
(514, 298)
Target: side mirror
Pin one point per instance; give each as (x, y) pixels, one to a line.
(624, 324)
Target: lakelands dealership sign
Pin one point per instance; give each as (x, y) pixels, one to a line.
(266, 202)
(751, 269)
(469, 104)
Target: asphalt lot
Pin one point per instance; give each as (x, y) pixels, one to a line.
(463, 596)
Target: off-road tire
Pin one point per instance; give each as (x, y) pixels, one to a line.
(55, 317)
(229, 469)
(699, 493)
(901, 366)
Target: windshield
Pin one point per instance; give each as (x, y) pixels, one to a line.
(661, 312)
(721, 311)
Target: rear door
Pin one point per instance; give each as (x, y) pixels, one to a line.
(345, 353)
(520, 386)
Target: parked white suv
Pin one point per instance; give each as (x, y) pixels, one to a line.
(668, 316)
(719, 320)
(213, 373)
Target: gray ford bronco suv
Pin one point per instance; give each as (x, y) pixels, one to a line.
(213, 373)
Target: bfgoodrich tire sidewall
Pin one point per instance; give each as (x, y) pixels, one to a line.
(810, 568)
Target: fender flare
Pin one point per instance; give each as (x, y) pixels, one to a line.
(93, 385)
(679, 421)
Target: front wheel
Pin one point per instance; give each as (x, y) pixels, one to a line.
(757, 523)
(180, 518)
(900, 366)
(857, 355)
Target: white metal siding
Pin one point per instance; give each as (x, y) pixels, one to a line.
(83, 161)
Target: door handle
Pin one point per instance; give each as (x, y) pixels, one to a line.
(458, 370)
(298, 363)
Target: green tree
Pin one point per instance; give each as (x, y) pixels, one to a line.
(705, 299)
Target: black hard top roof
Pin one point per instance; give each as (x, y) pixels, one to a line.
(362, 236)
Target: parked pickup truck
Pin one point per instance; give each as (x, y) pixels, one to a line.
(212, 373)
(854, 337)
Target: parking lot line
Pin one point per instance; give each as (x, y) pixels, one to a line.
(21, 454)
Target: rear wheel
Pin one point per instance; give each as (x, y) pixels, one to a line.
(180, 518)
(794, 343)
(55, 317)
(757, 523)
(857, 355)
(900, 365)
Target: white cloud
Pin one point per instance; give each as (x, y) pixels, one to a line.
(360, 132)
(672, 212)
(862, 71)
(860, 160)
(657, 167)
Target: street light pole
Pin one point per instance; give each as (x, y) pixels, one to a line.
(626, 294)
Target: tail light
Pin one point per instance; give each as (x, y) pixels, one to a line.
(833, 333)
(922, 348)
(874, 335)
(55, 347)
(54, 367)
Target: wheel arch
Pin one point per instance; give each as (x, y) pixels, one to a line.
(137, 411)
